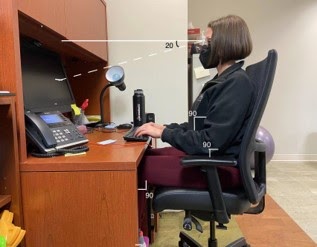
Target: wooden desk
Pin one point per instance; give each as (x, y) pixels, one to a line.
(86, 200)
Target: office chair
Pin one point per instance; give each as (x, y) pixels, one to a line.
(217, 205)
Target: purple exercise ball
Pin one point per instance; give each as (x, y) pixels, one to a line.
(265, 136)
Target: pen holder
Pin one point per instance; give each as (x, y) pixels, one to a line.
(82, 118)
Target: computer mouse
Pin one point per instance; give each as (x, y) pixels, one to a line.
(124, 126)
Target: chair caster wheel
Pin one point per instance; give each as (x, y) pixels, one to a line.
(183, 244)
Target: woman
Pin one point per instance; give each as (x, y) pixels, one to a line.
(218, 118)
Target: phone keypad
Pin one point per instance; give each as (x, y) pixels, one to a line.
(60, 136)
(65, 135)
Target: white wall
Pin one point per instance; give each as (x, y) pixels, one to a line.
(290, 27)
(163, 77)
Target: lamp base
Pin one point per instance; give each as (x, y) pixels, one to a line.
(102, 125)
(93, 124)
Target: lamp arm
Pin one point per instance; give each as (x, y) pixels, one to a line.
(101, 102)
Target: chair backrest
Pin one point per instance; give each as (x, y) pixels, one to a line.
(262, 75)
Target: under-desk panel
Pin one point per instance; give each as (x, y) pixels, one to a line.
(82, 208)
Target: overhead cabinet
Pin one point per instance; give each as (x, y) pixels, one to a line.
(75, 20)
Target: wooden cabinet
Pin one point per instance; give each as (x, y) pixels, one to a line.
(72, 19)
(85, 200)
(9, 162)
(48, 13)
(50, 22)
(19, 17)
(93, 26)
(80, 208)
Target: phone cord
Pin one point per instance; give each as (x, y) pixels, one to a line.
(62, 151)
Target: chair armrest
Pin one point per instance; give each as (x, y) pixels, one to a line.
(209, 165)
(199, 160)
(259, 146)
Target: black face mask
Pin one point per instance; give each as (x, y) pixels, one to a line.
(206, 58)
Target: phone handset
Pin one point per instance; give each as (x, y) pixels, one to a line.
(38, 127)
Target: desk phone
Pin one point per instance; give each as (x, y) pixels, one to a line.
(50, 131)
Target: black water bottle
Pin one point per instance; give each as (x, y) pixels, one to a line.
(138, 108)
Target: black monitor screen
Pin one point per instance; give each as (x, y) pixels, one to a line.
(45, 85)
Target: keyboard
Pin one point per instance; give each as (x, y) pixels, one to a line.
(129, 136)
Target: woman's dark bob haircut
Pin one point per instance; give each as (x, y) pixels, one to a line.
(230, 39)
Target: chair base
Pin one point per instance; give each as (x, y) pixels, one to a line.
(187, 241)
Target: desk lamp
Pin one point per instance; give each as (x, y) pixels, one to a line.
(115, 77)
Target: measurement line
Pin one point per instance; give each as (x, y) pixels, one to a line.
(126, 40)
(124, 62)
(121, 63)
(92, 71)
(57, 79)
(138, 58)
(145, 186)
(202, 117)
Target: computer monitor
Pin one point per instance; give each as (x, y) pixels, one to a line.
(45, 84)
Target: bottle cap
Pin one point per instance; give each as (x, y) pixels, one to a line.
(138, 91)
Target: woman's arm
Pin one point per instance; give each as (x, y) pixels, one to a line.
(183, 126)
(155, 130)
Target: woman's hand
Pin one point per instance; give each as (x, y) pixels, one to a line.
(151, 129)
